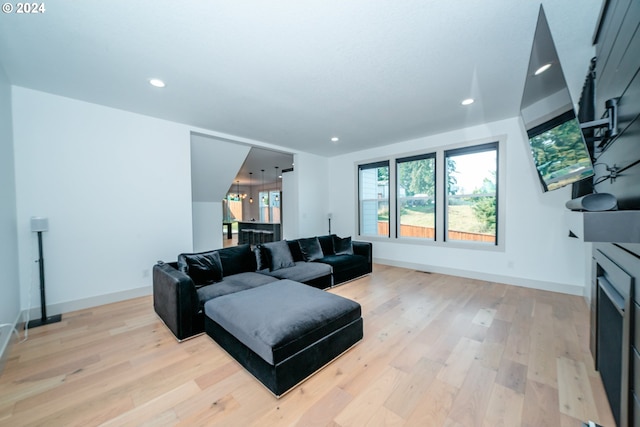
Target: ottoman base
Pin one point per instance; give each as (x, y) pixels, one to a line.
(284, 331)
(292, 371)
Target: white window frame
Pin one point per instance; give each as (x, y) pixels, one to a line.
(406, 159)
(472, 149)
(361, 202)
(439, 240)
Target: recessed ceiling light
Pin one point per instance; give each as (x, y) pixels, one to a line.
(335, 139)
(542, 69)
(468, 101)
(156, 83)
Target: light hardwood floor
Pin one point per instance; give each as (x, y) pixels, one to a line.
(437, 351)
(233, 241)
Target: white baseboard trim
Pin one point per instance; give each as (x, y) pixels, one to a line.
(507, 280)
(81, 304)
(6, 334)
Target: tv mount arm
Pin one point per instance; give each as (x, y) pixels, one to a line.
(610, 122)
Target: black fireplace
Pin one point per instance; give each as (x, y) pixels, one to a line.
(614, 313)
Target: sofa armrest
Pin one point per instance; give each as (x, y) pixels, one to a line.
(175, 300)
(366, 250)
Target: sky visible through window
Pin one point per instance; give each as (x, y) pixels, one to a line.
(471, 169)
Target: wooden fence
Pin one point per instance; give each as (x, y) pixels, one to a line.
(429, 233)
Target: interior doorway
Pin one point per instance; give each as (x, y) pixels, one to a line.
(258, 190)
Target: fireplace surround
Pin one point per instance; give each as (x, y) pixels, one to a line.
(612, 331)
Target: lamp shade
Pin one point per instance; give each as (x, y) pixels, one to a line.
(39, 223)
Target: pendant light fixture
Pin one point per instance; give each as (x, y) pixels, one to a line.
(239, 196)
(277, 186)
(250, 188)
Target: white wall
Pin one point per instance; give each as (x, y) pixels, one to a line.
(9, 282)
(207, 226)
(116, 189)
(249, 210)
(214, 164)
(312, 195)
(290, 229)
(537, 252)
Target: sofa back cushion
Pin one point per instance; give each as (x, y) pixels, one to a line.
(326, 242)
(310, 248)
(204, 268)
(237, 259)
(294, 248)
(262, 258)
(279, 255)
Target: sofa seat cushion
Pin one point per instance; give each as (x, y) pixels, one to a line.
(346, 267)
(302, 271)
(231, 284)
(279, 319)
(343, 262)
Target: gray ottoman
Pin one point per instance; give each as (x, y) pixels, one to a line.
(284, 331)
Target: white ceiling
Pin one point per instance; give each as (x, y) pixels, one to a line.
(296, 73)
(259, 159)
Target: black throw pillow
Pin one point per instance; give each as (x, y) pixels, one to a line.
(262, 258)
(204, 268)
(237, 259)
(311, 249)
(343, 246)
(326, 243)
(279, 254)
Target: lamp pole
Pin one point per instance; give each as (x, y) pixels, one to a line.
(39, 225)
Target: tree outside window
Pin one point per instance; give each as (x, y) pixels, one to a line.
(416, 196)
(471, 213)
(455, 189)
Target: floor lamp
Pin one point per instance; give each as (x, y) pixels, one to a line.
(38, 225)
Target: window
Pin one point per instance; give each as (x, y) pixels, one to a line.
(373, 199)
(263, 206)
(472, 193)
(269, 205)
(274, 214)
(416, 196)
(446, 197)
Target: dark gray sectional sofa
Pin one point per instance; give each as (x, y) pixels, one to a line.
(181, 288)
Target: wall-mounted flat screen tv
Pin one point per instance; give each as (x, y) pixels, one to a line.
(559, 152)
(556, 142)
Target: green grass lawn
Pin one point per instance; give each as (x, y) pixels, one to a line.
(420, 216)
(461, 218)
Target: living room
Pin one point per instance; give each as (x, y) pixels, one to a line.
(116, 184)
